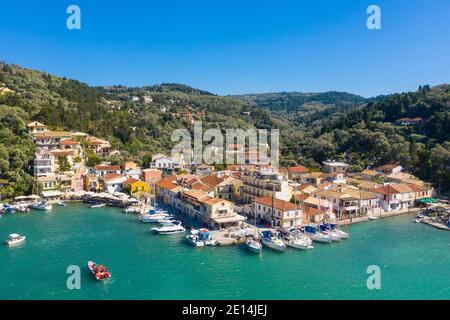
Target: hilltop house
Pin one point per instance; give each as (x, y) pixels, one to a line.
(103, 169)
(390, 168)
(36, 127)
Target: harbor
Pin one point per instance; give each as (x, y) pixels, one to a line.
(146, 265)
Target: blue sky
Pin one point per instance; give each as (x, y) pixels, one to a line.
(232, 47)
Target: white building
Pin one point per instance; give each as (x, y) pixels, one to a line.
(278, 212)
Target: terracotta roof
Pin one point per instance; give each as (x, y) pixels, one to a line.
(277, 204)
(106, 167)
(212, 180)
(69, 142)
(371, 173)
(298, 169)
(165, 184)
(201, 187)
(310, 211)
(61, 153)
(130, 181)
(196, 194)
(211, 201)
(111, 176)
(391, 189)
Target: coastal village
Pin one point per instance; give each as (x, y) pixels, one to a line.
(236, 198)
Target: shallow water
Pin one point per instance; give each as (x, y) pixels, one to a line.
(414, 260)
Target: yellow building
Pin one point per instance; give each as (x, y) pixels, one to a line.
(134, 186)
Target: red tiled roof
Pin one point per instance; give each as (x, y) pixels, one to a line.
(165, 184)
(130, 181)
(69, 142)
(298, 169)
(110, 176)
(212, 180)
(106, 167)
(277, 204)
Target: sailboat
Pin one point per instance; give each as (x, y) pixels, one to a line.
(253, 244)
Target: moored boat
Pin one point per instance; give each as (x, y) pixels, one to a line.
(100, 272)
(253, 245)
(15, 239)
(195, 240)
(41, 205)
(172, 227)
(98, 205)
(272, 241)
(317, 236)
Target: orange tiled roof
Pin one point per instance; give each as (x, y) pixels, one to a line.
(277, 204)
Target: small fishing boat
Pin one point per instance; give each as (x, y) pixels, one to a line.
(98, 205)
(195, 240)
(253, 245)
(172, 227)
(272, 241)
(15, 239)
(154, 218)
(7, 209)
(41, 205)
(62, 204)
(100, 272)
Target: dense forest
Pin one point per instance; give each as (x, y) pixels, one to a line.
(139, 122)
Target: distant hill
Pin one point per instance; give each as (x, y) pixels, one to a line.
(305, 108)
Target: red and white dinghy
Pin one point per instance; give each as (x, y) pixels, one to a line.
(100, 272)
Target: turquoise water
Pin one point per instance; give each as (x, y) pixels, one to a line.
(414, 261)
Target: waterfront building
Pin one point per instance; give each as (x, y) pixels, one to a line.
(134, 186)
(91, 182)
(168, 192)
(113, 182)
(264, 183)
(217, 213)
(313, 210)
(396, 196)
(341, 202)
(279, 213)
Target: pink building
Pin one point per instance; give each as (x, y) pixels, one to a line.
(151, 175)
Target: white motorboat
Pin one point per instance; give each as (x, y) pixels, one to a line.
(41, 205)
(195, 240)
(253, 245)
(172, 227)
(98, 205)
(154, 218)
(342, 234)
(272, 241)
(62, 204)
(15, 239)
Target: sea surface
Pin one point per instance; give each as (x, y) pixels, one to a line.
(414, 261)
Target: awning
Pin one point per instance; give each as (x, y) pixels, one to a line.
(51, 194)
(235, 218)
(351, 208)
(32, 197)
